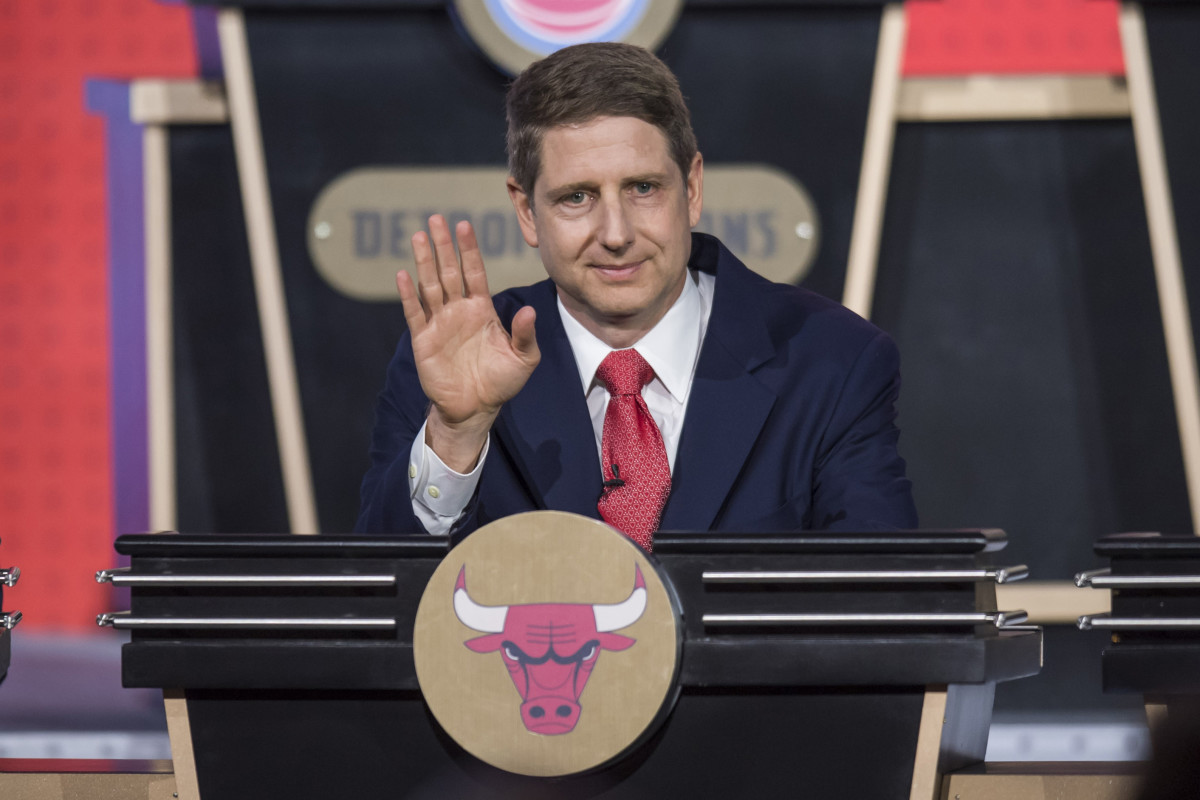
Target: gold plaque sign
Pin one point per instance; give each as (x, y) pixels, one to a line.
(360, 226)
(546, 644)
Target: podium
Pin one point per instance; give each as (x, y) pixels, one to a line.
(1155, 618)
(8, 619)
(821, 665)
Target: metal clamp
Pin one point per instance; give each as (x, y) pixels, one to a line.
(1108, 622)
(1104, 579)
(10, 576)
(123, 577)
(1000, 619)
(999, 575)
(1088, 579)
(107, 575)
(122, 621)
(10, 619)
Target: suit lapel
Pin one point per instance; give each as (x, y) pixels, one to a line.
(548, 431)
(728, 405)
(546, 427)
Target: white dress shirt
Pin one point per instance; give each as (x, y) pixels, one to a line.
(671, 348)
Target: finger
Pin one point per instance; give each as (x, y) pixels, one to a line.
(474, 275)
(524, 338)
(447, 261)
(414, 315)
(427, 277)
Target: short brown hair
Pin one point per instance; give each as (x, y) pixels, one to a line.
(585, 81)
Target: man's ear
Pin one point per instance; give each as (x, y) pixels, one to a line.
(695, 189)
(524, 208)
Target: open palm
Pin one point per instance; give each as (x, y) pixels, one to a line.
(468, 364)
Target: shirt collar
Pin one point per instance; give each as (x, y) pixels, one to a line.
(670, 347)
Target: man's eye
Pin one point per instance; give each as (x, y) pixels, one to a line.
(644, 187)
(576, 198)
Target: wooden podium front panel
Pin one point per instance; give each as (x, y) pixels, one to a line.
(1085, 780)
(85, 779)
(816, 743)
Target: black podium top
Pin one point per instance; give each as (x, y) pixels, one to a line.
(1155, 617)
(925, 542)
(1148, 545)
(901, 608)
(6, 633)
(284, 545)
(279, 545)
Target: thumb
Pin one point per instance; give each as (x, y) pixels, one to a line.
(524, 339)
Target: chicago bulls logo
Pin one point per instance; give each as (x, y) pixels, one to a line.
(545, 594)
(549, 649)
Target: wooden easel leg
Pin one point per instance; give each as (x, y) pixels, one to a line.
(268, 276)
(953, 734)
(160, 371)
(1164, 246)
(180, 730)
(1156, 716)
(859, 290)
(926, 781)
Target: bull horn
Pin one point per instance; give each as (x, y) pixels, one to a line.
(485, 619)
(625, 613)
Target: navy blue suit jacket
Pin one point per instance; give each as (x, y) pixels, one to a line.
(790, 424)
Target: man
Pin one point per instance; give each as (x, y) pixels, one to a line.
(653, 380)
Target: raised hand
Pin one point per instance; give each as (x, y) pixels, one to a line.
(468, 363)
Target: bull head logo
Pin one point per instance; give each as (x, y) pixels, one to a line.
(549, 649)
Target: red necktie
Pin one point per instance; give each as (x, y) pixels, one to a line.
(636, 473)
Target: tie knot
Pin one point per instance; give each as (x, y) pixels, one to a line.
(624, 372)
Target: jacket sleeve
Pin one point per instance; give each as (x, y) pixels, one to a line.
(859, 481)
(386, 506)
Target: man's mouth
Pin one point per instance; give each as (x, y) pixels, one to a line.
(618, 270)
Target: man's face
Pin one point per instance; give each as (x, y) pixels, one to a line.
(612, 217)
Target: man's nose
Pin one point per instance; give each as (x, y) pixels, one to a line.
(615, 229)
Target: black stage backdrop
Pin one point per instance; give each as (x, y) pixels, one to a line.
(227, 459)
(1173, 29)
(1015, 268)
(340, 90)
(1015, 273)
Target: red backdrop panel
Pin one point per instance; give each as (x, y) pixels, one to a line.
(56, 517)
(963, 37)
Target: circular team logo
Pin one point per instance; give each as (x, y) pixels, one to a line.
(547, 644)
(515, 33)
(543, 26)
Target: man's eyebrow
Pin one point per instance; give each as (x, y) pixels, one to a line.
(649, 177)
(567, 188)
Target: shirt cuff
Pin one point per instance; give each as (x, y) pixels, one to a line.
(439, 494)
